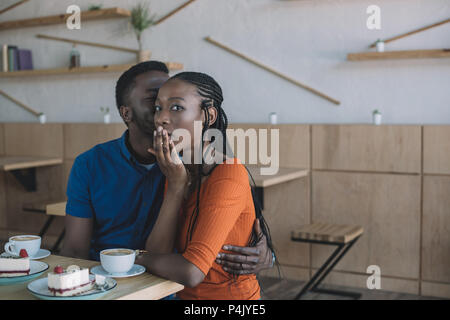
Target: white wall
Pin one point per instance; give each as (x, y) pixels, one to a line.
(307, 40)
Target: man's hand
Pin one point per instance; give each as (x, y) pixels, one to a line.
(247, 260)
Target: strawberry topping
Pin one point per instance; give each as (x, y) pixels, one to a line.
(58, 269)
(23, 253)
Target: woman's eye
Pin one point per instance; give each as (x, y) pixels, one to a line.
(157, 108)
(177, 107)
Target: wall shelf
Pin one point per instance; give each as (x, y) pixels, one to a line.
(406, 54)
(61, 18)
(80, 70)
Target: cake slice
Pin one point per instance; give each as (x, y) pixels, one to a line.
(14, 266)
(69, 282)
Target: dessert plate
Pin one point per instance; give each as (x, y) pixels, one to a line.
(36, 269)
(41, 254)
(39, 288)
(134, 271)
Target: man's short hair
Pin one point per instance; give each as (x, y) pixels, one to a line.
(126, 81)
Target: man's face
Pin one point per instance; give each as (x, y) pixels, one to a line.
(139, 112)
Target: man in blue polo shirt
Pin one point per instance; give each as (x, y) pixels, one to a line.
(115, 189)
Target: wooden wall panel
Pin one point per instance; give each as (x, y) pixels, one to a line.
(3, 215)
(436, 229)
(433, 289)
(34, 139)
(294, 143)
(387, 207)
(367, 148)
(360, 281)
(436, 149)
(49, 181)
(67, 167)
(286, 206)
(288, 273)
(2, 139)
(80, 137)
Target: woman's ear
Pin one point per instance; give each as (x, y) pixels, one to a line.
(212, 115)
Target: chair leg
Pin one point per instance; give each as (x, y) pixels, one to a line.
(338, 258)
(337, 255)
(46, 226)
(61, 236)
(319, 272)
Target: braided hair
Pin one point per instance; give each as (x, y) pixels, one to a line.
(212, 96)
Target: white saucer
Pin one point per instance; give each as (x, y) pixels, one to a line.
(134, 271)
(41, 254)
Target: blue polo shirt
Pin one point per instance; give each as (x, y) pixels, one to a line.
(123, 197)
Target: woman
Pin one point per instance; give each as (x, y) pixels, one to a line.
(215, 199)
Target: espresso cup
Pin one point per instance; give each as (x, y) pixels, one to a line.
(31, 243)
(118, 260)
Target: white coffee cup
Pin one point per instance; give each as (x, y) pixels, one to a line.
(31, 243)
(118, 260)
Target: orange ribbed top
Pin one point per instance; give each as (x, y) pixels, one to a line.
(226, 216)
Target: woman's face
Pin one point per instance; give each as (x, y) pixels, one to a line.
(178, 106)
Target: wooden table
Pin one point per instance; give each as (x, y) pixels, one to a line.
(9, 163)
(283, 175)
(24, 168)
(142, 287)
(263, 181)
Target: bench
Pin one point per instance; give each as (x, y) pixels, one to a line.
(342, 236)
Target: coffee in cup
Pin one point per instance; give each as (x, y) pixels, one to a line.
(118, 260)
(31, 243)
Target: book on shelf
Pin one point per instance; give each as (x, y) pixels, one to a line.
(15, 59)
(4, 58)
(25, 60)
(12, 58)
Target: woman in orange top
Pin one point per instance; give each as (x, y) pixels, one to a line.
(217, 205)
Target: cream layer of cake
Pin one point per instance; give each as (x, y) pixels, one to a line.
(12, 266)
(69, 283)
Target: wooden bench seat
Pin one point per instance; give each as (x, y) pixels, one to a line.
(327, 232)
(52, 207)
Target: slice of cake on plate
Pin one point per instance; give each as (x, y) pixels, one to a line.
(69, 282)
(13, 266)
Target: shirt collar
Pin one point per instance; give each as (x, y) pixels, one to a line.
(123, 147)
(129, 156)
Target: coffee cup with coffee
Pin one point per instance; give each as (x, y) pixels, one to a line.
(118, 260)
(30, 243)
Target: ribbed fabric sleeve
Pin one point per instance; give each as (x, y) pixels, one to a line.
(222, 204)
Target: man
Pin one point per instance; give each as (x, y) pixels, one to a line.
(115, 189)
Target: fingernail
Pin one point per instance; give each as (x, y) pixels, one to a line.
(226, 247)
(160, 129)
